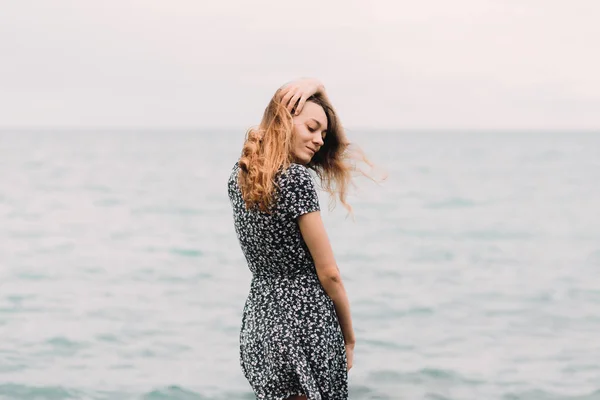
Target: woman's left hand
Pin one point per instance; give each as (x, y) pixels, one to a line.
(298, 92)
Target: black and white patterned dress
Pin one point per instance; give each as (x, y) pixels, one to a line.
(291, 342)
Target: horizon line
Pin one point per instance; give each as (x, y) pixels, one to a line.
(346, 128)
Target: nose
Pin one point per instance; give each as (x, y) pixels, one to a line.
(318, 140)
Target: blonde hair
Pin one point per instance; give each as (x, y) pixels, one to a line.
(267, 150)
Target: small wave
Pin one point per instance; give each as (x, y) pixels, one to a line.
(63, 342)
(33, 276)
(185, 252)
(422, 376)
(62, 346)
(173, 393)
(26, 392)
(544, 395)
(366, 393)
(383, 312)
(386, 344)
(427, 256)
(108, 338)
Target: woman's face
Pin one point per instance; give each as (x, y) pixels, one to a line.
(310, 129)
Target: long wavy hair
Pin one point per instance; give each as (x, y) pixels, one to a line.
(267, 151)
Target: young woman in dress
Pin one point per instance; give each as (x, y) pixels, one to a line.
(296, 339)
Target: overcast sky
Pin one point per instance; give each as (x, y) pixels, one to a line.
(395, 64)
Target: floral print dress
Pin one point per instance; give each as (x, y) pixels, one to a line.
(291, 342)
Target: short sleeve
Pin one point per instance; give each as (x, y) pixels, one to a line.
(298, 191)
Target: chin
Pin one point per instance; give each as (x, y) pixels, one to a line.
(303, 160)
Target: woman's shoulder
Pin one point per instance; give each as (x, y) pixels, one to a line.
(296, 175)
(296, 172)
(233, 174)
(295, 169)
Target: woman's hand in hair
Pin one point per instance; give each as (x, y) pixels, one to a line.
(294, 94)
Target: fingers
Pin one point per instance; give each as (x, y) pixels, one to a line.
(293, 102)
(290, 96)
(296, 95)
(287, 97)
(301, 104)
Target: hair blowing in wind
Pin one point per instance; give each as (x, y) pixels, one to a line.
(268, 149)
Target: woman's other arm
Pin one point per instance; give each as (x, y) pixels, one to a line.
(315, 236)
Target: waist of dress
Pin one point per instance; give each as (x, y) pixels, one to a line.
(267, 277)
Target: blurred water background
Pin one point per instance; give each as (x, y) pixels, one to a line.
(473, 271)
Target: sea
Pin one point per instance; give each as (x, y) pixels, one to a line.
(473, 270)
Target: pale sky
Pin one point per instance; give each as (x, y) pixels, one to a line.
(393, 64)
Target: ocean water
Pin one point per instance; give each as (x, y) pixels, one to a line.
(473, 271)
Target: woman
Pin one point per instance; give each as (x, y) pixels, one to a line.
(296, 340)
